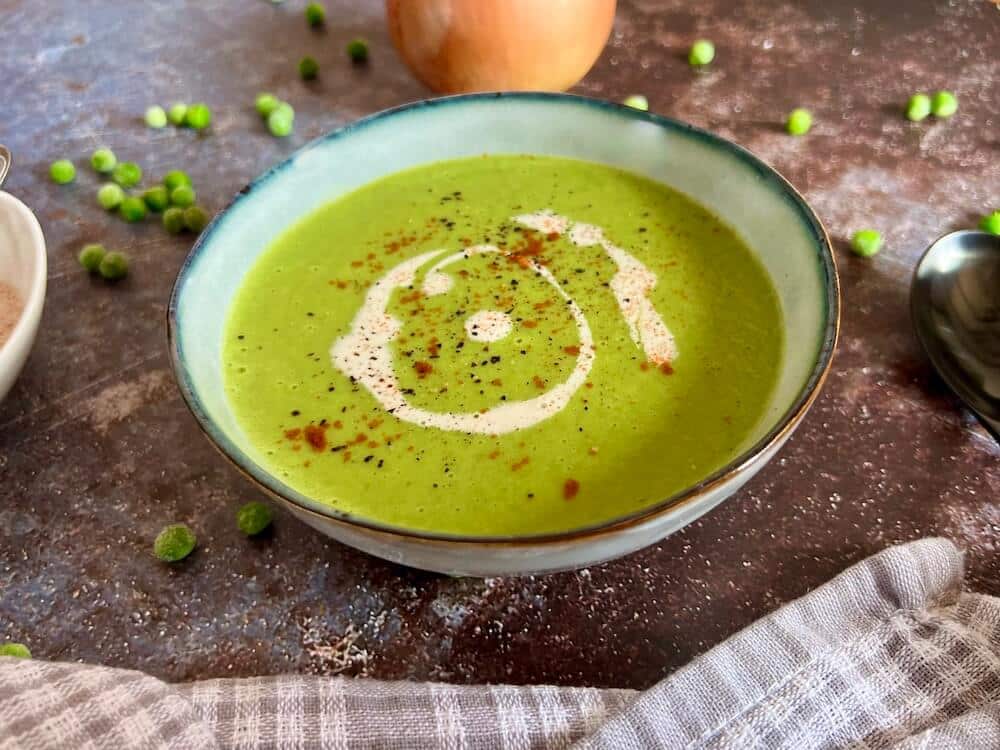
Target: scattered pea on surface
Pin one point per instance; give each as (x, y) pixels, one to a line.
(177, 113)
(103, 160)
(702, 52)
(286, 109)
(156, 117)
(132, 209)
(173, 220)
(315, 14)
(15, 650)
(114, 266)
(866, 243)
(281, 121)
(308, 68)
(175, 178)
(127, 174)
(62, 171)
(991, 223)
(637, 101)
(174, 542)
(156, 198)
(182, 196)
(110, 196)
(799, 121)
(252, 518)
(91, 255)
(198, 116)
(266, 104)
(357, 50)
(195, 218)
(918, 107)
(944, 104)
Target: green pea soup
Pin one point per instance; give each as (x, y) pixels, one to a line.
(502, 345)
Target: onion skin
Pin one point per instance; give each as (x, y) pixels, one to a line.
(457, 46)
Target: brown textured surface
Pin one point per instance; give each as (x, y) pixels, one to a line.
(97, 451)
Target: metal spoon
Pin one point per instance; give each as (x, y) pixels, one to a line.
(955, 306)
(5, 161)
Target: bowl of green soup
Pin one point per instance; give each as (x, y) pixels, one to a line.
(506, 334)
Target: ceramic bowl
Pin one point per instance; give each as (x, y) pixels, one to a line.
(23, 267)
(765, 210)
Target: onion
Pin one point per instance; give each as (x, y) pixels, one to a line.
(498, 45)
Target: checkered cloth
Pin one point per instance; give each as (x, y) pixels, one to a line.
(890, 654)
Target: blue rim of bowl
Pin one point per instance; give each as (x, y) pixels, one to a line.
(788, 421)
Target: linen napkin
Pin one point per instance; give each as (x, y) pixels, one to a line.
(889, 654)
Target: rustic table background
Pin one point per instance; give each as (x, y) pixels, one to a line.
(97, 450)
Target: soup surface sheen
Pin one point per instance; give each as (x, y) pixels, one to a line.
(502, 345)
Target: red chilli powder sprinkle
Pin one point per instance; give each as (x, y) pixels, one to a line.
(570, 488)
(316, 437)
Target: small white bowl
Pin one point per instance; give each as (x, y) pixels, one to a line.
(23, 266)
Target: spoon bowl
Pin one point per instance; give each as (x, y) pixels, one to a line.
(955, 306)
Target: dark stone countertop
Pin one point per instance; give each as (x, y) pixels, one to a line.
(97, 451)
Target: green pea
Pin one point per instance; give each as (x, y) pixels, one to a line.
(177, 113)
(156, 117)
(114, 266)
(173, 220)
(91, 256)
(308, 68)
(637, 101)
(110, 196)
(918, 107)
(132, 209)
(198, 116)
(944, 104)
(127, 174)
(195, 218)
(702, 53)
(286, 110)
(15, 650)
(266, 104)
(866, 243)
(253, 518)
(799, 121)
(62, 171)
(991, 223)
(357, 50)
(103, 160)
(315, 14)
(156, 198)
(175, 179)
(174, 542)
(281, 121)
(182, 196)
